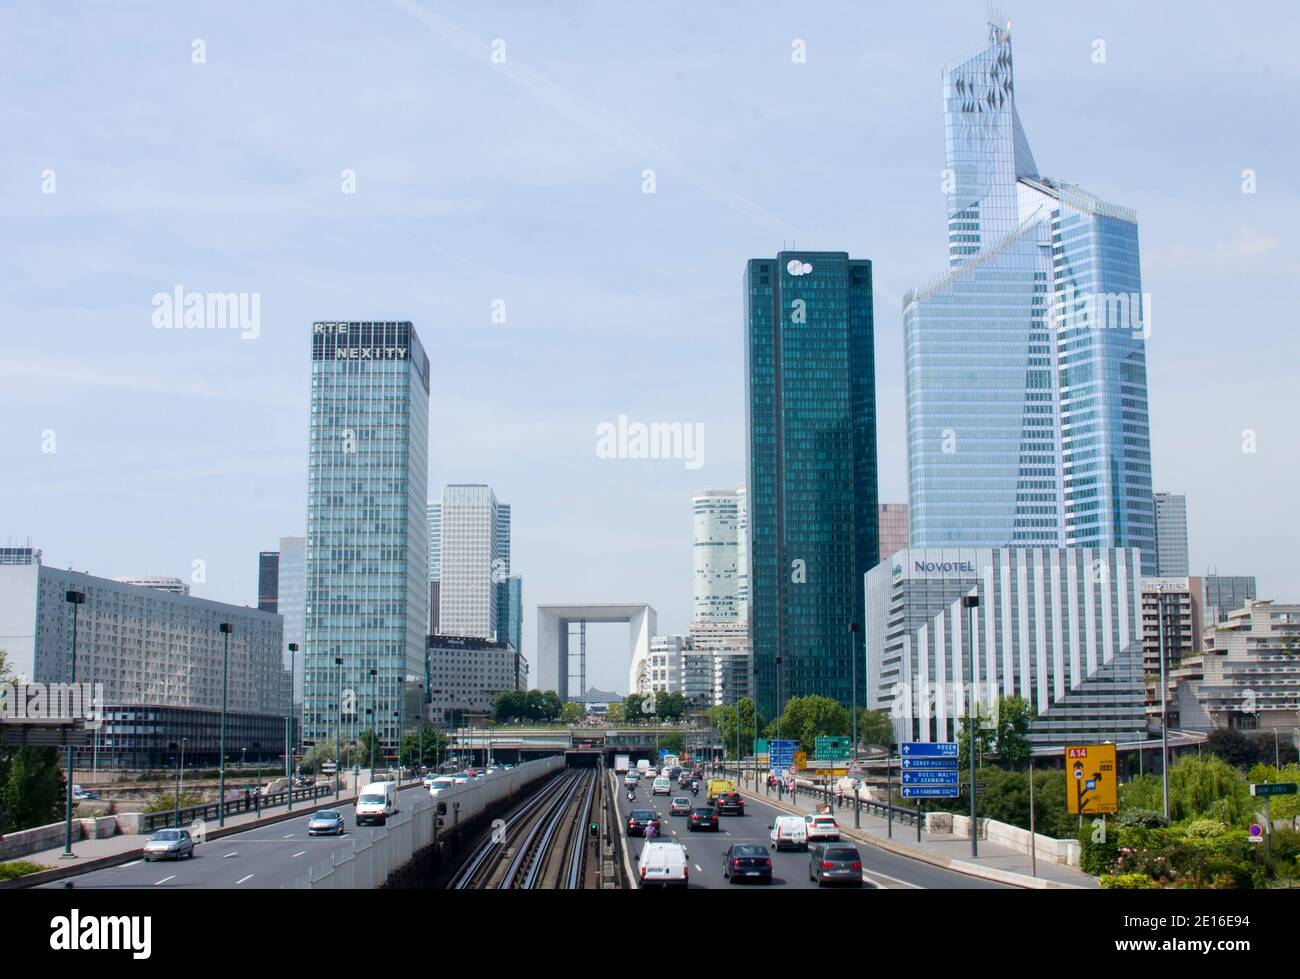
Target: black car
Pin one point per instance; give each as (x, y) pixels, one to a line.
(747, 861)
(703, 817)
(835, 863)
(730, 804)
(639, 819)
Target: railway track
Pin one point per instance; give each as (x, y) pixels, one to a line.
(541, 844)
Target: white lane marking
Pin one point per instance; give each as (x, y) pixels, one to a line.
(701, 869)
(235, 853)
(250, 876)
(301, 852)
(173, 877)
(131, 864)
(902, 883)
(289, 835)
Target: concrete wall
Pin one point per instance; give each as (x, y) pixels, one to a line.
(36, 839)
(1004, 834)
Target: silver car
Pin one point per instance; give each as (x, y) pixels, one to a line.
(174, 843)
(325, 821)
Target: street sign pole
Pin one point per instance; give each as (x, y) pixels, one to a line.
(970, 602)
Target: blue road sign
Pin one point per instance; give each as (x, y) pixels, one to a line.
(928, 749)
(780, 754)
(930, 791)
(930, 778)
(930, 763)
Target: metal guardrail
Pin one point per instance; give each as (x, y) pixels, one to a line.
(212, 810)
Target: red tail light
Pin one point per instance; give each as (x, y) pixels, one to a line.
(768, 861)
(735, 862)
(857, 864)
(826, 865)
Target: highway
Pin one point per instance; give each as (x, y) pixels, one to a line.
(881, 869)
(270, 856)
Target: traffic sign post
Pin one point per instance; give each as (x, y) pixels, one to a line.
(929, 770)
(1266, 791)
(832, 749)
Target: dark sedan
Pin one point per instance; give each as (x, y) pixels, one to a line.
(747, 861)
(703, 817)
(835, 863)
(731, 804)
(639, 819)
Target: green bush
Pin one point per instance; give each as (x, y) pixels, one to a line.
(1140, 819)
(1100, 857)
(1128, 882)
(166, 802)
(19, 868)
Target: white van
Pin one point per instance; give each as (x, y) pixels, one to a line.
(663, 864)
(440, 784)
(377, 802)
(789, 833)
(642, 767)
(663, 786)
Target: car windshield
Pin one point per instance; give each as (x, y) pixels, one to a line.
(748, 850)
(640, 814)
(681, 802)
(327, 814)
(167, 835)
(705, 811)
(839, 853)
(372, 800)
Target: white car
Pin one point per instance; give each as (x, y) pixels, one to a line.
(663, 786)
(439, 784)
(822, 828)
(651, 773)
(630, 779)
(662, 863)
(789, 833)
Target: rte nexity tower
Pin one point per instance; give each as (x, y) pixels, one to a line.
(812, 507)
(367, 588)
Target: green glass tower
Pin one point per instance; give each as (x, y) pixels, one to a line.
(811, 419)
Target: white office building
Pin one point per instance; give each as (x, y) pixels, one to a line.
(291, 601)
(471, 541)
(716, 555)
(1059, 627)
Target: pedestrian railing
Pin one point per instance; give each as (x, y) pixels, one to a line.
(212, 810)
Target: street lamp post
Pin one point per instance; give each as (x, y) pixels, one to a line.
(288, 729)
(180, 776)
(857, 796)
(225, 628)
(338, 729)
(73, 598)
(1164, 711)
(374, 715)
(970, 603)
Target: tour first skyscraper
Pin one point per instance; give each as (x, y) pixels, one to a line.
(367, 587)
(812, 496)
(1026, 379)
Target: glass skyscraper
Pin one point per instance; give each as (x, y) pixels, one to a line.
(367, 580)
(811, 507)
(1026, 363)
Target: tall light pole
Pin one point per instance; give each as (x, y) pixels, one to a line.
(970, 603)
(225, 628)
(288, 729)
(1164, 711)
(338, 729)
(374, 715)
(73, 598)
(180, 775)
(857, 796)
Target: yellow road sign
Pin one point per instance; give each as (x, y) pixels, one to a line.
(1091, 779)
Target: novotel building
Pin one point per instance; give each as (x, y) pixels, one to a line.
(1059, 627)
(367, 563)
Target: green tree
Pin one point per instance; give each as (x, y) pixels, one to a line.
(807, 718)
(363, 756)
(724, 719)
(1281, 806)
(572, 713)
(875, 727)
(674, 742)
(552, 706)
(632, 708)
(433, 741)
(671, 706)
(34, 787)
(1206, 786)
(614, 713)
(1011, 735)
(510, 705)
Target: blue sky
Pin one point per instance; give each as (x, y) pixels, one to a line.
(522, 181)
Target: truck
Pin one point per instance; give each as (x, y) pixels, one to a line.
(717, 786)
(669, 763)
(377, 802)
(622, 763)
(642, 766)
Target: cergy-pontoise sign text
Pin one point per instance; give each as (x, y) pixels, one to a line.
(943, 567)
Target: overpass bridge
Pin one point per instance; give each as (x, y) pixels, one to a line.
(581, 744)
